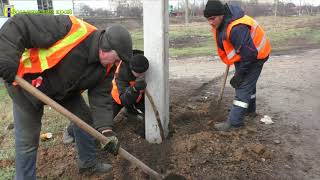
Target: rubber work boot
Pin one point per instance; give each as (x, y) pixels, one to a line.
(251, 114)
(226, 126)
(99, 168)
(67, 138)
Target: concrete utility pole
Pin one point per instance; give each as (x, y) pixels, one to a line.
(186, 10)
(276, 2)
(156, 47)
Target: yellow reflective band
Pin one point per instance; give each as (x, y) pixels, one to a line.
(70, 39)
(43, 59)
(44, 53)
(25, 59)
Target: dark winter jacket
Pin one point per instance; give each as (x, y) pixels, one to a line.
(79, 70)
(240, 38)
(127, 94)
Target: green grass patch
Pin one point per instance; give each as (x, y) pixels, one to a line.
(3, 92)
(7, 173)
(207, 48)
(7, 150)
(283, 32)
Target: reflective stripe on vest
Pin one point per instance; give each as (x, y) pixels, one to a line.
(37, 60)
(115, 91)
(261, 42)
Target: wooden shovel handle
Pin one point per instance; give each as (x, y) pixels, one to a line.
(223, 84)
(156, 113)
(76, 120)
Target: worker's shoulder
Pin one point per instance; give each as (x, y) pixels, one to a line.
(125, 72)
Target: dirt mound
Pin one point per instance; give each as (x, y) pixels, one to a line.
(193, 149)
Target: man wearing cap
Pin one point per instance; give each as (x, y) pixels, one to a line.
(129, 84)
(61, 56)
(128, 87)
(241, 41)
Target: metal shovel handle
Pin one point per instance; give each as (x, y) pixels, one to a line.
(76, 120)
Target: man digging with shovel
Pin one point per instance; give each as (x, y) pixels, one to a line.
(61, 56)
(241, 41)
(128, 86)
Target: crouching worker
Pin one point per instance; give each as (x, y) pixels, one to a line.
(61, 56)
(128, 85)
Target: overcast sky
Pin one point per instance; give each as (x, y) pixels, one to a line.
(104, 3)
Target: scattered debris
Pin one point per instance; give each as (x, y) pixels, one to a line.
(45, 136)
(10, 126)
(257, 148)
(267, 120)
(277, 141)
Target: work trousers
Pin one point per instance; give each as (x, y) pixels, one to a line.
(245, 94)
(27, 114)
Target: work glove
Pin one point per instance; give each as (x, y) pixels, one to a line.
(140, 84)
(8, 72)
(236, 80)
(112, 145)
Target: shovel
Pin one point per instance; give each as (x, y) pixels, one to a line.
(121, 113)
(225, 75)
(76, 120)
(215, 105)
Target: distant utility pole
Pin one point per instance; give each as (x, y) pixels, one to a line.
(186, 10)
(276, 2)
(73, 8)
(300, 8)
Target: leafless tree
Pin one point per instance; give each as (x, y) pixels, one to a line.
(186, 10)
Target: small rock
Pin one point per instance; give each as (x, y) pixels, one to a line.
(239, 155)
(209, 123)
(189, 106)
(257, 148)
(191, 146)
(10, 126)
(277, 141)
(263, 159)
(267, 154)
(251, 130)
(287, 166)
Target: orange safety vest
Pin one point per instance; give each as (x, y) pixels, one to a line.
(115, 92)
(37, 60)
(260, 40)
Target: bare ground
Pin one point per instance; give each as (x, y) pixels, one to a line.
(287, 92)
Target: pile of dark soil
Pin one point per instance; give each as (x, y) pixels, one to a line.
(193, 149)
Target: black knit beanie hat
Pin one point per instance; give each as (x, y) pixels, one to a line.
(214, 8)
(139, 63)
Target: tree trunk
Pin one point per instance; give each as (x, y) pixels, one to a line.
(186, 9)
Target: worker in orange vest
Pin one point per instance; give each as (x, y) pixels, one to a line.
(61, 56)
(128, 87)
(129, 84)
(241, 41)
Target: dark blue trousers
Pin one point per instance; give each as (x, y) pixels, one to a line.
(27, 114)
(245, 98)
